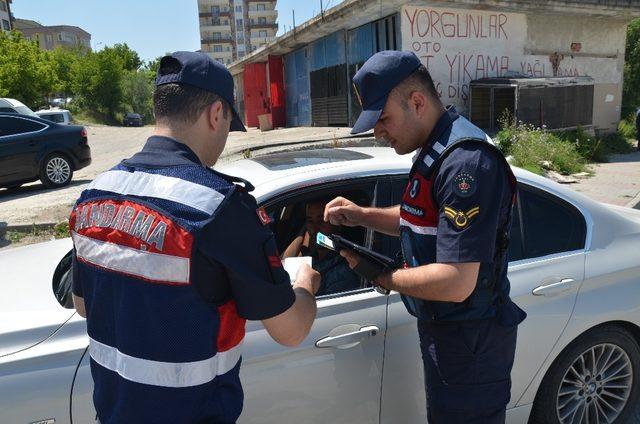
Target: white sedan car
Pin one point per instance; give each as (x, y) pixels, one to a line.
(574, 268)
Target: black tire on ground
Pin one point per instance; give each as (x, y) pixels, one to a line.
(595, 389)
(56, 170)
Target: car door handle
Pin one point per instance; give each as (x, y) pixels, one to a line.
(554, 288)
(353, 337)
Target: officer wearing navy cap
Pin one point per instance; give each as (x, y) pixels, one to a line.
(453, 223)
(170, 259)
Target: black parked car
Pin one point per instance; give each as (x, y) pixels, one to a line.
(33, 148)
(132, 120)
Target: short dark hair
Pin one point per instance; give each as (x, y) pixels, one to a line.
(181, 104)
(419, 80)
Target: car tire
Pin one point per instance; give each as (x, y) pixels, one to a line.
(598, 373)
(56, 170)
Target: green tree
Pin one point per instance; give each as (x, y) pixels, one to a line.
(138, 93)
(64, 62)
(26, 73)
(98, 81)
(631, 88)
(130, 58)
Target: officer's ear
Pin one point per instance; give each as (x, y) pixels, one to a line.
(418, 102)
(216, 115)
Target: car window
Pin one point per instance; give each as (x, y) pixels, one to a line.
(57, 117)
(47, 117)
(7, 110)
(10, 126)
(296, 220)
(550, 225)
(62, 280)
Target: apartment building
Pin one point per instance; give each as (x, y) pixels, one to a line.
(50, 37)
(6, 18)
(232, 29)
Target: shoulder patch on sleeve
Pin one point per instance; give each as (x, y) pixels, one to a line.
(459, 218)
(264, 216)
(464, 184)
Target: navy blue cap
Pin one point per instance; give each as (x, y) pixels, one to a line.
(375, 80)
(199, 70)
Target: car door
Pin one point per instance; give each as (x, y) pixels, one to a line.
(546, 258)
(335, 375)
(18, 147)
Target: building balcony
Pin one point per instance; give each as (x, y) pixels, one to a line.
(264, 25)
(216, 28)
(221, 14)
(217, 40)
(270, 14)
(257, 41)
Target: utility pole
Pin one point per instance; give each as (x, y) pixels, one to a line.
(321, 10)
(294, 21)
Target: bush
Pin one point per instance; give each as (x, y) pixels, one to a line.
(627, 126)
(532, 147)
(588, 146)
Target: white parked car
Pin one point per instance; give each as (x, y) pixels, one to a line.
(59, 116)
(575, 269)
(15, 106)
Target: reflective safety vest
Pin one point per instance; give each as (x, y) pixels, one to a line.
(419, 215)
(159, 352)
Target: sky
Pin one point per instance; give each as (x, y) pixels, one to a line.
(150, 27)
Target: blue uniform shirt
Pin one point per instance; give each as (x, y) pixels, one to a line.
(235, 253)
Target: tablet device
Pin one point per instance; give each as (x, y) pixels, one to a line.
(372, 264)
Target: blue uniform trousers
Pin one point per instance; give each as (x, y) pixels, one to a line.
(467, 367)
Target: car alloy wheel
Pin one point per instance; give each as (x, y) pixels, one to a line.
(58, 170)
(596, 387)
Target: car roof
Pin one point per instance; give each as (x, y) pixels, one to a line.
(11, 102)
(50, 111)
(278, 171)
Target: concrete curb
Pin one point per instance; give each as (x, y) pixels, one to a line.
(4, 228)
(634, 203)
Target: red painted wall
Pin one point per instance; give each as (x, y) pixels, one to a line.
(256, 100)
(278, 96)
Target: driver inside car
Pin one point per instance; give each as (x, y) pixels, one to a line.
(336, 275)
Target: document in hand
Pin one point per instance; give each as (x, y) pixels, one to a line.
(291, 265)
(371, 265)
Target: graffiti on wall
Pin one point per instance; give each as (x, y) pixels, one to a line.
(458, 46)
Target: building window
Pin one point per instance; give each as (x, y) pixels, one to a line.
(217, 35)
(239, 9)
(217, 48)
(262, 20)
(5, 25)
(219, 59)
(49, 38)
(262, 34)
(260, 7)
(215, 21)
(3, 7)
(215, 10)
(239, 23)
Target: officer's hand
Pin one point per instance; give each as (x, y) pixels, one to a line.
(341, 211)
(308, 278)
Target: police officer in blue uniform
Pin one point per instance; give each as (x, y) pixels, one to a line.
(453, 223)
(170, 259)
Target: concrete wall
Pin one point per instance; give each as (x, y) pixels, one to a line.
(459, 45)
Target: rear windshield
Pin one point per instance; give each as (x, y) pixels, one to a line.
(290, 160)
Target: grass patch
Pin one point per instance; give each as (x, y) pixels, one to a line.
(567, 152)
(37, 234)
(536, 149)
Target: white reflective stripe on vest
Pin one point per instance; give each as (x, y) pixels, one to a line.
(429, 231)
(165, 374)
(159, 186)
(114, 257)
